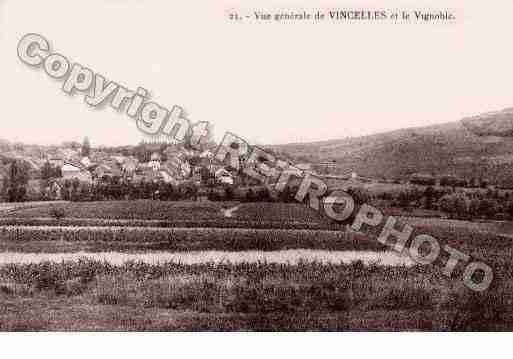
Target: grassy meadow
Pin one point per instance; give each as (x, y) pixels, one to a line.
(147, 213)
(93, 295)
(89, 295)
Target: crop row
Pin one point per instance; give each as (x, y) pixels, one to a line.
(193, 223)
(100, 238)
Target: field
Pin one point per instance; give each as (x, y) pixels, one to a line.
(308, 295)
(140, 209)
(145, 213)
(96, 296)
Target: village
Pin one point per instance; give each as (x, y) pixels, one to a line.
(45, 173)
(149, 170)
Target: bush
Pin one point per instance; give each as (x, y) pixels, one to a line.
(454, 204)
(480, 311)
(57, 212)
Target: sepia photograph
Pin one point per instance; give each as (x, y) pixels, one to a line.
(243, 166)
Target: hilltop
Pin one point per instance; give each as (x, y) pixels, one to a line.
(478, 147)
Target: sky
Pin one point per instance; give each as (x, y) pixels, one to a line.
(269, 83)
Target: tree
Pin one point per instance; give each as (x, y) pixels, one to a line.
(288, 194)
(16, 181)
(66, 190)
(487, 207)
(508, 208)
(263, 195)
(250, 195)
(86, 147)
(429, 193)
(75, 190)
(454, 204)
(229, 194)
(85, 192)
(48, 171)
(474, 208)
(359, 195)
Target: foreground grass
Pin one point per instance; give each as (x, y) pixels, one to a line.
(89, 295)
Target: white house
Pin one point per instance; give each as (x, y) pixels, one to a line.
(85, 161)
(223, 176)
(154, 163)
(168, 178)
(70, 171)
(206, 154)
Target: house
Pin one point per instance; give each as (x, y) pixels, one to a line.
(223, 176)
(290, 176)
(99, 157)
(73, 171)
(206, 154)
(305, 167)
(185, 169)
(107, 170)
(154, 163)
(119, 159)
(68, 153)
(149, 175)
(177, 167)
(56, 161)
(86, 162)
(325, 167)
(102, 170)
(173, 151)
(168, 178)
(130, 166)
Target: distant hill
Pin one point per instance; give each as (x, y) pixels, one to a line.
(476, 147)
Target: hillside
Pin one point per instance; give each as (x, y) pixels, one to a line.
(475, 147)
